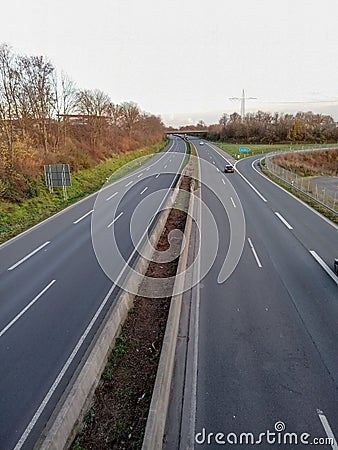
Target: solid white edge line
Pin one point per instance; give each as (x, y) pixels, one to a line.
(111, 196)
(74, 205)
(281, 218)
(294, 196)
(324, 266)
(239, 173)
(28, 256)
(83, 217)
(22, 312)
(232, 200)
(216, 150)
(52, 389)
(251, 185)
(130, 182)
(327, 429)
(143, 190)
(49, 394)
(254, 253)
(194, 381)
(116, 218)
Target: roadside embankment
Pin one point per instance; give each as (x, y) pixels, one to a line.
(302, 173)
(18, 217)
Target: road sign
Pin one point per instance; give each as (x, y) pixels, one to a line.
(58, 175)
(244, 149)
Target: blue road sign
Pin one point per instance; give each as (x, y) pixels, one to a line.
(244, 149)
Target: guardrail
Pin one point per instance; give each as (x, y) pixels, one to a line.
(300, 184)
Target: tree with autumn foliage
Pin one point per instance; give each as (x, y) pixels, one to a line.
(264, 127)
(45, 118)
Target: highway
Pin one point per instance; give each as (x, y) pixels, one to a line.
(54, 294)
(267, 336)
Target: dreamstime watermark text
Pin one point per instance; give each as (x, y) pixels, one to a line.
(276, 437)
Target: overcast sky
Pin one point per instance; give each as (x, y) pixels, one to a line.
(183, 59)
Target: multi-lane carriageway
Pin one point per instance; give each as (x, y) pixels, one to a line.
(54, 294)
(264, 343)
(265, 346)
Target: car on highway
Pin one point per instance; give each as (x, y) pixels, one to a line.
(335, 265)
(229, 168)
(201, 143)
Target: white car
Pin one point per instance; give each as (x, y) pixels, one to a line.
(201, 143)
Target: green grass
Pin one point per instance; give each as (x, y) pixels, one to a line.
(77, 445)
(195, 163)
(187, 155)
(115, 356)
(18, 217)
(259, 149)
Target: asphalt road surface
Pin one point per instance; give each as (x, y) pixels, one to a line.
(267, 336)
(325, 186)
(54, 294)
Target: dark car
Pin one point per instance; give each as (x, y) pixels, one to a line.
(335, 265)
(229, 168)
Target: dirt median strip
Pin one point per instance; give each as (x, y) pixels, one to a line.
(154, 432)
(118, 413)
(64, 422)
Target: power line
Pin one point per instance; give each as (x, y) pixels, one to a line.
(242, 100)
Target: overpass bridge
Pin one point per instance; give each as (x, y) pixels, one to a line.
(185, 132)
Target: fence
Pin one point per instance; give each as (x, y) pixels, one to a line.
(310, 188)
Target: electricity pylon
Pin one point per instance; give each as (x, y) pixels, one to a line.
(242, 100)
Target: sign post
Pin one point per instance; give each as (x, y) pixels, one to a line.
(244, 149)
(58, 175)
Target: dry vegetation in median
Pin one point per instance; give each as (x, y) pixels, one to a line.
(119, 410)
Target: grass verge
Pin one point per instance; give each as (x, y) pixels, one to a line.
(325, 212)
(259, 149)
(195, 164)
(18, 217)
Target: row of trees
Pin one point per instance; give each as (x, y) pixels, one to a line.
(264, 127)
(45, 118)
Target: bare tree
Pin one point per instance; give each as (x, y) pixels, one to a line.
(66, 96)
(116, 115)
(224, 119)
(38, 87)
(96, 105)
(93, 103)
(7, 96)
(130, 116)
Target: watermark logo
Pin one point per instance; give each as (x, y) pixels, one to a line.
(278, 436)
(279, 426)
